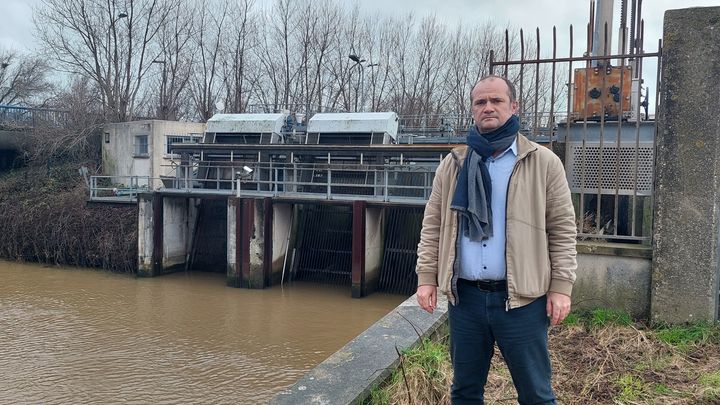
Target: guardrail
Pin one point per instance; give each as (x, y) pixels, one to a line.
(118, 188)
(27, 117)
(407, 183)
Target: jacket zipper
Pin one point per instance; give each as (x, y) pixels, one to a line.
(453, 281)
(507, 193)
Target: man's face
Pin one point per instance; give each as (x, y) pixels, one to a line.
(491, 105)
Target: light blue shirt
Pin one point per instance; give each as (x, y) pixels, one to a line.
(485, 259)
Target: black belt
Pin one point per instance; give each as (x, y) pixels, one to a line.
(485, 285)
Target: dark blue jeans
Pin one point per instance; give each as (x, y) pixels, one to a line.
(476, 324)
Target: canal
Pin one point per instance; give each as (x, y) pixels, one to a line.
(84, 336)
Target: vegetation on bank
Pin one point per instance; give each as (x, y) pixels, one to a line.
(599, 357)
(44, 217)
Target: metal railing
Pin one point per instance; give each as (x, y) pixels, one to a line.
(406, 183)
(118, 188)
(26, 117)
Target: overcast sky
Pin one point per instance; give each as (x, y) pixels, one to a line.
(17, 27)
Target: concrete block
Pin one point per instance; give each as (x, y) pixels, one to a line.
(349, 374)
(687, 173)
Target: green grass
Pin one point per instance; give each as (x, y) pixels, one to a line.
(598, 318)
(684, 336)
(711, 382)
(631, 388)
(429, 356)
(604, 317)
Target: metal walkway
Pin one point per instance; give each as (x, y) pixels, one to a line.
(401, 174)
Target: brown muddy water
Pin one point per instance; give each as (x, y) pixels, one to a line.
(84, 336)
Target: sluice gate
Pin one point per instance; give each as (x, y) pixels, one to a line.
(209, 239)
(339, 204)
(324, 244)
(402, 235)
(323, 251)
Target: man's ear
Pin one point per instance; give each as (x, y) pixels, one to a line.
(515, 107)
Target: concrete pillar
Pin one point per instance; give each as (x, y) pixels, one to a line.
(358, 249)
(374, 239)
(283, 236)
(145, 235)
(248, 263)
(165, 227)
(367, 245)
(687, 194)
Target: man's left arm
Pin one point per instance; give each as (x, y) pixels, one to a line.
(562, 236)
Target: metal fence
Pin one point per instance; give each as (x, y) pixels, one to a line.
(26, 117)
(591, 112)
(118, 188)
(410, 183)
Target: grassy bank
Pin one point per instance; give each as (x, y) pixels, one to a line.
(44, 218)
(599, 357)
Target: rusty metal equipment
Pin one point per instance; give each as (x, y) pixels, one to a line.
(602, 91)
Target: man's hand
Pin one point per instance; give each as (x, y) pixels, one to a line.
(427, 297)
(558, 307)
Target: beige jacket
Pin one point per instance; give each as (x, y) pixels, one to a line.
(540, 227)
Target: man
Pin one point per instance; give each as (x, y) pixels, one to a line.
(498, 238)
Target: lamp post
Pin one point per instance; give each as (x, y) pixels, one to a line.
(359, 62)
(163, 107)
(116, 85)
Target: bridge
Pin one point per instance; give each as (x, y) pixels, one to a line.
(16, 122)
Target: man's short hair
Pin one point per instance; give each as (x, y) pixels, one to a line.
(512, 93)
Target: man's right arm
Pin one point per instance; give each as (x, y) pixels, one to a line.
(427, 262)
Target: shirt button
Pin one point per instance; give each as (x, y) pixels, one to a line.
(484, 245)
(484, 267)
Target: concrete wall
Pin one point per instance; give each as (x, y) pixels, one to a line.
(118, 153)
(613, 276)
(178, 224)
(687, 169)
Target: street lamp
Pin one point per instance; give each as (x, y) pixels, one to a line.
(359, 62)
(116, 89)
(163, 112)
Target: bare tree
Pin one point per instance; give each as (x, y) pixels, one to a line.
(23, 79)
(107, 41)
(174, 61)
(206, 80)
(71, 131)
(241, 40)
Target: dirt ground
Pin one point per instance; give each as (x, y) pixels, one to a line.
(609, 364)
